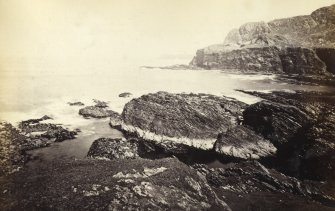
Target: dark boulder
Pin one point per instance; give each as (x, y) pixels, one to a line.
(241, 142)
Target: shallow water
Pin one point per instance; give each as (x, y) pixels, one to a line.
(28, 96)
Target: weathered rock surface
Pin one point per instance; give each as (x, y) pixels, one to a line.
(241, 142)
(190, 119)
(250, 185)
(301, 125)
(139, 184)
(297, 45)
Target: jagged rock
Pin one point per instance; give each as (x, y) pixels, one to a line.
(191, 119)
(297, 45)
(301, 125)
(125, 94)
(106, 148)
(250, 184)
(241, 142)
(77, 103)
(135, 184)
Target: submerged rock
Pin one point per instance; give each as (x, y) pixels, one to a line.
(241, 142)
(97, 112)
(125, 94)
(139, 184)
(77, 103)
(100, 104)
(250, 184)
(190, 119)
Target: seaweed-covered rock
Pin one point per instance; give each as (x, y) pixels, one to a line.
(135, 184)
(241, 142)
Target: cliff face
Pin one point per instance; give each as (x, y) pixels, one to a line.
(297, 45)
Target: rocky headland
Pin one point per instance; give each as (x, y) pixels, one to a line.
(303, 45)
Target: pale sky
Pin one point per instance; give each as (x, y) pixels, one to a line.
(50, 34)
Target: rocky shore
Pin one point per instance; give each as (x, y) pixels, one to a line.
(188, 151)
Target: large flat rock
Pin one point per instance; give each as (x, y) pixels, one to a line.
(191, 119)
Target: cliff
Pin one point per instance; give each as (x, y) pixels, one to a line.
(296, 45)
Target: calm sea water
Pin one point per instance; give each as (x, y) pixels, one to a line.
(32, 96)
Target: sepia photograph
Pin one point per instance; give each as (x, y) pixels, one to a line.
(167, 105)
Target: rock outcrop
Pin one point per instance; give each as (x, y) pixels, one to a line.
(297, 45)
(189, 119)
(241, 142)
(301, 126)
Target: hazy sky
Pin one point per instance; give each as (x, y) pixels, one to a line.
(47, 34)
